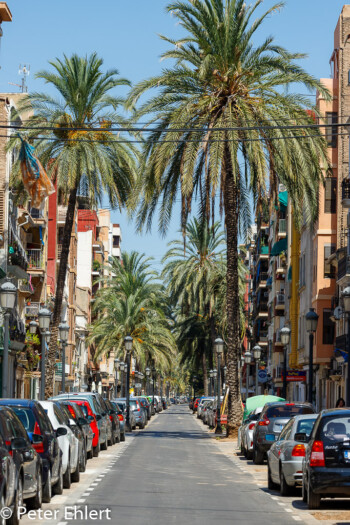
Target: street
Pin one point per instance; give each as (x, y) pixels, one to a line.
(172, 472)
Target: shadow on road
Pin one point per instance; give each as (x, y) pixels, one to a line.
(169, 434)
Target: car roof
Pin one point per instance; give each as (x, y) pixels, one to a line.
(18, 402)
(305, 416)
(335, 412)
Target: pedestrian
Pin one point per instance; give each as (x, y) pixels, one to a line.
(340, 403)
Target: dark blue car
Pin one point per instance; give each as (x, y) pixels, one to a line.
(44, 441)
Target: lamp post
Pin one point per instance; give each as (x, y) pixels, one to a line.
(154, 371)
(215, 374)
(116, 368)
(241, 375)
(218, 348)
(285, 336)
(257, 354)
(44, 325)
(148, 371)
(211, 373)
(128, 347)
(346, 301)
(311, 319)
(224, 385)
(8, 294)
(63, 334)
(247, 360)
(122, 369)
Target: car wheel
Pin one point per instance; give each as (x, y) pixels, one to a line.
(249, 454)
(270, 483)
(104, 445)
(47, 490)
(117, 437)
(82, 462)
(96, 450)
(285, 489)
(67, 481)
(75, 476)
(36, 502)
(313, 500)
(141, 426)
(18, 502)
(122, 436)
(258, 457)
(304, 491)
(90, 454)
(58, 486)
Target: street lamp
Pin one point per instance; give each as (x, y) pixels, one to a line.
(33, 325)
(311, 319)
(122, 369)
(154, 371)
(63, 329)
(247, 360)
(44, 325)
(211, 373)
(128, 340)
(8, 294)
(116, 368)
(225, 372)
(257, 354)
(346, 302)
(219, 349)
(285, 336)
(148, 372)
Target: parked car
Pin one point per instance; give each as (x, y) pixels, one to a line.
(146, 406)
(44, 440)
(68, 442)
(121, 420)
(195, 404)
(285, 457)
(122, 405)
(79, 434)
(326, 467)
(7, 478)
(138, 411)
(28, 467)
(113, 416)
(79, 417)
(247, 433)
(273, 418)
(200, 405)
(204, 411)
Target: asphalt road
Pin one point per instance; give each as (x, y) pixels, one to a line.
(174, 472)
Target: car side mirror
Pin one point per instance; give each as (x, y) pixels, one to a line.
(301, 437)
(83, 421)
(36, 439)
(90, 418)
(61, 431)
(98, 417)
(18, 443)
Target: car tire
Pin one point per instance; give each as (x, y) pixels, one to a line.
(285, 489)
(249, 455)
(47, 490)
(313, 500)
(96, 450)
(104, 445)
(117, 437)
(35, 503)
(75, 476)
(271, 485)
(58, 486)
(141, 426)
(14, 519)
(90, 454)
(258, 457)
(67, 480)
(83, 459)
(304, 491)
(122, 436)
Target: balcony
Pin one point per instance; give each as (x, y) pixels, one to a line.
(262, 310)
(61, 214)
(59, 251)
(36, 260)
(32, 310)
(38, 216)
(280, 301)
(345, 187)
(262, 338)
(25, 288)
(281, 264)
(261, 280)
(343, 271)
(282, 227)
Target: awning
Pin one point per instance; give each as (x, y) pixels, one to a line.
(283, 198)
(279, 247)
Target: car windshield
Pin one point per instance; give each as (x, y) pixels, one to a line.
(335, 429)
(26, 416)
(121, 406)
(288, 411)
(305, 426)
(84, 409)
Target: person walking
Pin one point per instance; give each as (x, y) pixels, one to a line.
(340, 403)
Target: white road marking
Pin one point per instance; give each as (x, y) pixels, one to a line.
(288, 510)
(81, 500)
(297, 518)
(93, 484)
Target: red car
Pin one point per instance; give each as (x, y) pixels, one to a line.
(90, 416)
(195, 406)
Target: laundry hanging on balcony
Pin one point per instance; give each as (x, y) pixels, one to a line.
(35, 179)
(279, 247)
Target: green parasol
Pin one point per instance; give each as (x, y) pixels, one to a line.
(258, 401)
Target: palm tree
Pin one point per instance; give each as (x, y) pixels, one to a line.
(189, 274)
(218, 116)
(131, 303)
(70, 148)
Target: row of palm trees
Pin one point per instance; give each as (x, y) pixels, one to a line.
(221, 121)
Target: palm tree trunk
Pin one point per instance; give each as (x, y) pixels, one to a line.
(231, 201)
(205, 373)
(61, 279)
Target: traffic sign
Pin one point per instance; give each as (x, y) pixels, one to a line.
(262, 376)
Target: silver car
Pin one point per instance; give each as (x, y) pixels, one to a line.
(200, 405)
(247, 432)
(285, 457)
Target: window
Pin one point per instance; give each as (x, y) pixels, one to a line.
(329, 270)
(331, 131)
(328, 327)
(115, 241)
(330, 195)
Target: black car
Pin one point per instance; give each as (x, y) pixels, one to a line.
(326, 468)
(44, 441)
(26, 459)
(113, 416)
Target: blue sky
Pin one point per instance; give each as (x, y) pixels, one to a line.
(125, 34)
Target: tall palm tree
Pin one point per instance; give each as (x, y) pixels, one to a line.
(131, 303)
(70, 148)
(218, 116)
(189, 273)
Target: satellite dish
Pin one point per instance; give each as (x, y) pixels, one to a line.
(338, 312)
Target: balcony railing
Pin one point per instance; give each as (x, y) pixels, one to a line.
(262, 307)
(263, 276)
(25, 287)
(278, 336)
(59, 250)
(36, 213)
(343, 267)
(35, 259)
(32, 310)
(282, 226)
(281, 262)
(280, 299)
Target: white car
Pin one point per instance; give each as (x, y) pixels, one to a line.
(200, 405)
(69, 444)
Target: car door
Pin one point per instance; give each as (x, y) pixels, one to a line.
(29, 456)
(63, 419)
(50, 435)
(275, 452)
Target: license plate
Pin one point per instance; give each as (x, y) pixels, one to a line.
(270, 437)
(346, 454)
